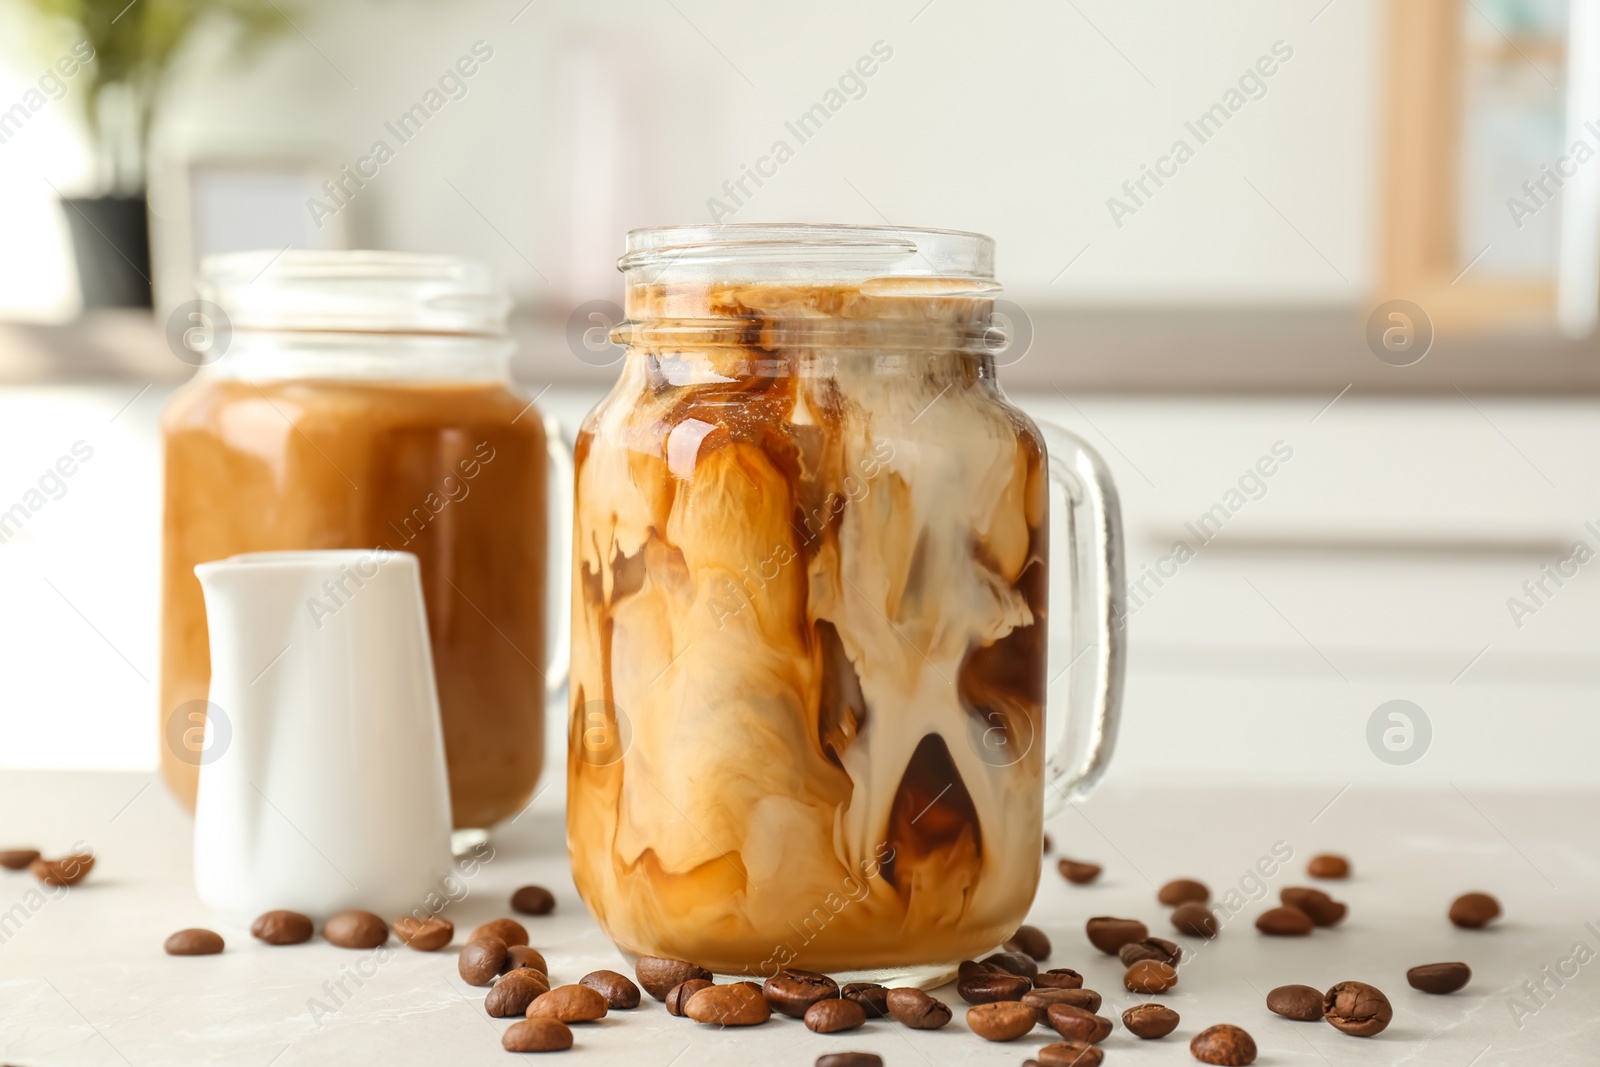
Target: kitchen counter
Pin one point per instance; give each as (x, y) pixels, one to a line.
(83, 979)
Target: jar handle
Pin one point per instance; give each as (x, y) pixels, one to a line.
(1097, 635)
(558, 570)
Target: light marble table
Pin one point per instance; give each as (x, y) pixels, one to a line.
(83, 979)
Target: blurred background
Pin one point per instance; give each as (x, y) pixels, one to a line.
(1366, 233)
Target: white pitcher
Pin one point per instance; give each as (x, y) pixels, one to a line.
(323, 781)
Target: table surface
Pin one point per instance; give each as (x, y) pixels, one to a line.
(83, 979)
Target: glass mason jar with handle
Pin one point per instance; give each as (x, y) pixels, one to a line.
(810, 597)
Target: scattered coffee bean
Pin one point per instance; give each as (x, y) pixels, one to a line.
(1069, 1054)
(537, 1035)
(832, 1016)
(511, 995)
(533, 900)
(1151, 948)
(1183, 891)
(1109, 935)
(354, 928)
(1150, 976)
(1284, 922)
(873, 998)
(282, 928)
(1439, 977)
(539, 978)
(1149, 1021)
(791, 992)
(739, 1004)
(1357, 1009)
(1473, 911)
(1041, 1000)
(1013, 963)
(916, 1009)
(17, 859)
(989, 986)
(1001, 1020)
(1058, 978)
(850, 1059)
(618, 989)
(194, 942)
(1047, 843)
(1328, 865)
(1300, 1002)
(1323, 909)
(569, 1003)
(678, 996)
(1078, 1024)
(1196, 920)
(1078, 873)
(428, 934)
(1031, 942)
(658, 975)
(69, 870)
(1223, 1044)
(508, 930)
(525, 956)
(481, 960)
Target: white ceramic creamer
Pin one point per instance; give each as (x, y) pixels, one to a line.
(323, 785)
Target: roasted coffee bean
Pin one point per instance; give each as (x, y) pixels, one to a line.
(618, 989)
(832, 1016)
(536, 1035)
(1299, 1002)
(539, 978)
(1183, 891)
(1322, 909)
(480, 961)
(850, 1059)
(791, 992)
(1149, 1021)
(987, 987)
(1357, 1009)
(1069, 1054)
(873, 998)
(1041, 1000)
(739, 1004)
(569, 1003)
(1151, 948)
(1078, 873)
(512, 994)
(1047, 843)
(658, 975)
(533, 900)
(525, 956)
(678, 996)
(69, 870)
(1031, 942)
(1328, 865)
(1078, 1024)
(194, 942)
(17, 859)
(354, 928)
(1439, 977)
(1473, 911)
(1284, 922)
(1058, 978)
(1196, 920)
(508, 930)
(425, 934)
(916, 1009)
(1013, 963)
(1150, 976)
(1223, 1044)
(1109, 935)
(1001, 1020)
(282, 928)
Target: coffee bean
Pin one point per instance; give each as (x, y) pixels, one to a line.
(916, 1009)
(1031, 942)
(569, 1003)
(1047, 843)
(354, 928)
(525, 956)
(481, 960)
(1357, 1009)
(987, 987)
(658, 975)
(539, 978)
(1108, 934)
(1284, 922)
(428, 934)
(1013, 963)
(618, 989)
(536, 1035)
(1183, 891)
(512, 994)
(1323, 909)
(873, 998)
(533, 900)
(1041, 1000)
(1149, 1021)
(678, 996)
(1078, 1024)
(739, 1004)
(282, 928)
(1439, 977)
(1069, 1054)
(1001, 1020)
(791, 992)
(194, 942)
(69, 870)
(1150, 976)
(1058, 978)
(1151, 948)
(1328, 865)
(1196, 920)
(17, 859)
(1223, 1044)
(1078, 873)
(850, 1059)
(508, 930)
(1299, 1002)
(1473, 911)
(832, 1016)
